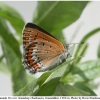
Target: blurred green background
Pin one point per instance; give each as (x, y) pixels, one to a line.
(75, 21)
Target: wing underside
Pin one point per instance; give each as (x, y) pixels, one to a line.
(40, 49)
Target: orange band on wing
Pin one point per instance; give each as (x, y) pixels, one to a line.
(36, 66)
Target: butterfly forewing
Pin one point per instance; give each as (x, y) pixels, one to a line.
(41, 50)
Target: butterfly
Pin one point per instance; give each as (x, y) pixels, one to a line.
(41, 50)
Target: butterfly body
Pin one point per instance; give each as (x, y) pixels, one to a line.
(41, 51)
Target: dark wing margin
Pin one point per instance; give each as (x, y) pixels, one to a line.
(31, 25)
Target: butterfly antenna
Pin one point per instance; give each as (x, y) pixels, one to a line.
(67, 45)
(76, 43)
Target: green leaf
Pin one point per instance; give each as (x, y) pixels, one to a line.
(28, 89)
(1, 57)
(60, 37)
(30, 77)
(11, 15)
(83, 72)
(43, 78)
(9, 38)
(48, 88)
(69, 66)
(11, 46)
(56, 88)
(82, 52)
(84, 39)
(84, 87)
(98, 51)
(14, 64)
(68, 90)
(54, 16)
(91, 84)
(3, 68)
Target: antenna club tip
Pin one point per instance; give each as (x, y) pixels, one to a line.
(82, 42)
